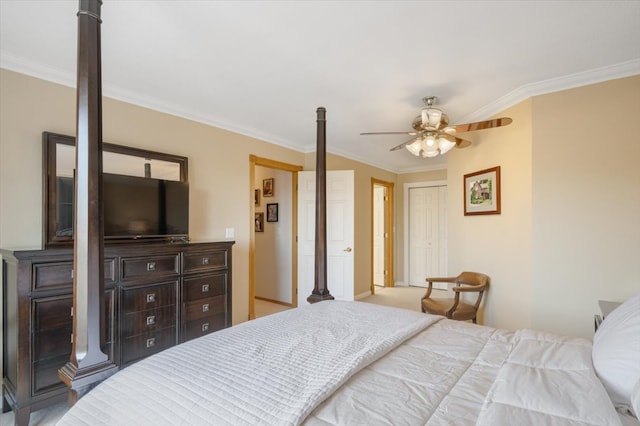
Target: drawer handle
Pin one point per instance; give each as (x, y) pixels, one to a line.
(71, 274)
(151, 266)
(205, 260)
(151, 342)
(205, 307)
(151, 297)
(151, 320)
(205, 326)
(205, 288)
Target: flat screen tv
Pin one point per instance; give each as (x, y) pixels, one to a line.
(138, 207)
(134, 207)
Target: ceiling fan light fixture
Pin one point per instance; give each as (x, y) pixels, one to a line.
(434, 135)
(430, 147)
(431, 118)
(416, 147)
(445, 145)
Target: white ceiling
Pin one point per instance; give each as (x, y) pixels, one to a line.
(261, 68)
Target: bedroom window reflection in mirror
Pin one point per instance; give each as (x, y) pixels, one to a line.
(59, 171)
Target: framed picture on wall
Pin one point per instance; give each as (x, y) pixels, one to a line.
(272, 212)
(267, 187)
(256, 197)
(482, 192)
(259, 227)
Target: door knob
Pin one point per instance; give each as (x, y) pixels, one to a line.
(348, 249)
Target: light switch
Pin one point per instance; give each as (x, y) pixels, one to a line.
(229, 233)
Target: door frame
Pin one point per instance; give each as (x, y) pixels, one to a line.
(389, 226)
(294, 169)
(430, 183)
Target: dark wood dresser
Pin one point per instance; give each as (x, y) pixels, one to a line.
(156, 296)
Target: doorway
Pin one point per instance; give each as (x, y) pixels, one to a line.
(273, 224)
(381, 234)
(425, 232)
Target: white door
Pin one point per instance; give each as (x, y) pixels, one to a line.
(378, 235)
(340, 249)
(427, 234)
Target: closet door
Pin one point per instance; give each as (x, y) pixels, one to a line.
(427, 234)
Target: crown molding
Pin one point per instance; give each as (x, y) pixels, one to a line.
(22, 66)
(431, 168)
(585, 78)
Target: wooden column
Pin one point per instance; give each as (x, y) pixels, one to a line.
(88, 365)
(320, 291)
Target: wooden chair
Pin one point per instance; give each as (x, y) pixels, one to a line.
(454, 308)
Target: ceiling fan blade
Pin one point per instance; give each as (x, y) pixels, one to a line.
(481, 125)
(460, 143)
(402, 145)
(389, 133)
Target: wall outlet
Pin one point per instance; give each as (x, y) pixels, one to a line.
(229, 233)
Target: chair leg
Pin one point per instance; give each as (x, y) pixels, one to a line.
(474, 320)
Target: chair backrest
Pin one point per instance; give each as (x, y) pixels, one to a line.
(475, 279)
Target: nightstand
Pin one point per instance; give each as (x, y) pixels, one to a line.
(606, 307)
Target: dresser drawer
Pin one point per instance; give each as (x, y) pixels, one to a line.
(205, 260)
(143, 345)
(53, 343)
(60, 274)
(45, 373)
(150, 267)
(149, 297)
(205, 307)
(51, 338)
(52, 313)
(205, 286)
(200, 327)
(53, 325)
(148, 321)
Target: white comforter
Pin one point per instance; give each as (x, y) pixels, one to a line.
(456, 373)
(339, 363)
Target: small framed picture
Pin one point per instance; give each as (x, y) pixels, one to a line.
(256, 197)
(272, 212)
(267, 187)
(482, 192)
(259, 222)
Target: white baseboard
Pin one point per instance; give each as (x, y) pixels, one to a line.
(363, 295)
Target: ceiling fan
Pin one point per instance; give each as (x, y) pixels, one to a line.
(434, 136)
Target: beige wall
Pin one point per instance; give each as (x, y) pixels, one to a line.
(586, 203)
(569, 232)
(497, 245)
(220, 190)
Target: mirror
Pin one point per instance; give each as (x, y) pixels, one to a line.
(59, 169)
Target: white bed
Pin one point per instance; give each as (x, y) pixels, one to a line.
(335, 363)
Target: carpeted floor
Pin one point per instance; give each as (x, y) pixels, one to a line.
(402, 297)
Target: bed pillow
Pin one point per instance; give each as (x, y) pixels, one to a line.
(616, 353)
(635, 400)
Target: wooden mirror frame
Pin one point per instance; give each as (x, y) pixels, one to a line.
(50, 142)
